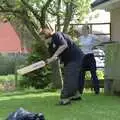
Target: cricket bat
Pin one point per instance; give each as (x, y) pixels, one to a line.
(31, 67)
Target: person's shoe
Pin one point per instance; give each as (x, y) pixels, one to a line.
(97, 93)
(64, 102)
(76, 96)
(81, 92)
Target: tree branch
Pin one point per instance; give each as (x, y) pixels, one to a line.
(3, 9)
(35, 33)
(43, 13)
(52, 12)
(10, 10)
(68, 15)
(26, 19)
(35, 12)
(58, 15)
(7, 4)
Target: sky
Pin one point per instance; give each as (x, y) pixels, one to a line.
(102, 16)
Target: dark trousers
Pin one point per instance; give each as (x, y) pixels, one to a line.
(70, 80)
(89, 64)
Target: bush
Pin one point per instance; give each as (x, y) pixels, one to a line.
(7, 78)
(39, 78)
(7, 82)
(100, 74)
(8, 61)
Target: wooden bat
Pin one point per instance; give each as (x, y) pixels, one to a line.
(31, 67)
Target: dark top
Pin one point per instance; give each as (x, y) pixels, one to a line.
(72, 53)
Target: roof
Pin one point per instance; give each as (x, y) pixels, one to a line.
(9, 40)
(98, 2)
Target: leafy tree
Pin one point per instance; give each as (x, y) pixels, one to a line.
(36, 13)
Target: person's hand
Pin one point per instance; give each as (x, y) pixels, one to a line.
(50, 60)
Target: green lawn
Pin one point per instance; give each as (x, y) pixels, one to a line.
(90, 108)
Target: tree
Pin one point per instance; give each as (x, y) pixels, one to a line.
(69, 11)
(35, 14)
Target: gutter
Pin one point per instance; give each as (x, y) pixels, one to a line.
(105, 5)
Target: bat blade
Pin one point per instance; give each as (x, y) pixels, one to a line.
(31, 67)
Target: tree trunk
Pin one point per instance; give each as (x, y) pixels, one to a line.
(68, 16)
(58, 15)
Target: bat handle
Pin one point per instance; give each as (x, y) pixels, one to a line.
(46, 62)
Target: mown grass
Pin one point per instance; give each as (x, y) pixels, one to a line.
(92, 107)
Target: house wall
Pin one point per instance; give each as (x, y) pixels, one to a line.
(112, 51)
(115, 24)
(112, 61)
(112, 68)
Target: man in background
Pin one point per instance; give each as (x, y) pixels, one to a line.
(88, 42)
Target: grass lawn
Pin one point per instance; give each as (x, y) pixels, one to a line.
(90, 108)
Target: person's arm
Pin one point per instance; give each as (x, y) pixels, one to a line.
(56, 54)
(60, 50)
(96, 41)
(60, 41)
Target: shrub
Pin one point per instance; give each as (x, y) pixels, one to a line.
(8, 61)
(39, 78)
